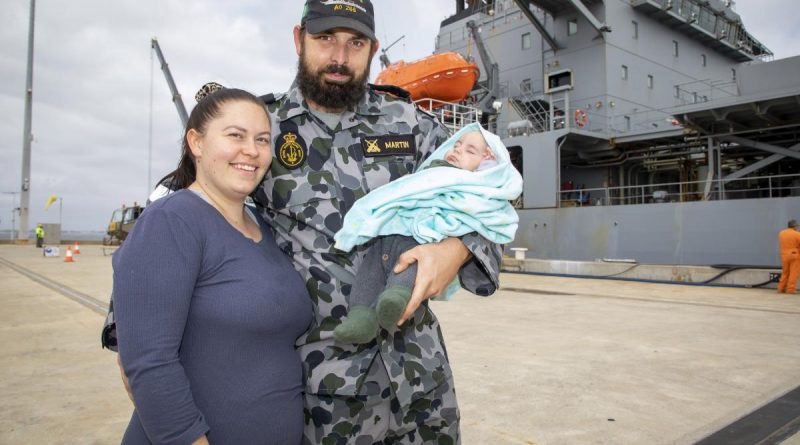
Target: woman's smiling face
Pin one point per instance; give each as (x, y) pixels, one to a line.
(234, 152)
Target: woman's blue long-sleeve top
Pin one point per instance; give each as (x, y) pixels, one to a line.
(207, 320)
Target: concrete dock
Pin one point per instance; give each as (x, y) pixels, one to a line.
(546, 360)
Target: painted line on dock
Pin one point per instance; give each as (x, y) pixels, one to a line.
(86, 300)
(535, 291)
(769, 425)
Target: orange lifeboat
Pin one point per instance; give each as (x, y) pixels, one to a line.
(446, 77)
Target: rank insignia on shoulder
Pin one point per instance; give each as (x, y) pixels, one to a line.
(393, 90)
(271, 98)
(291, 151)
(390, 145)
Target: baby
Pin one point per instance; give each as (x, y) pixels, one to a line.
(379, 296)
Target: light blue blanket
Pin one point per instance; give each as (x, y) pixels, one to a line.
(440, 202)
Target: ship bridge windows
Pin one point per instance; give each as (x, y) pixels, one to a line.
(650, 81)
(674, 48)
(704, 59)
(572, 27)
(624, 72)
(526, 40)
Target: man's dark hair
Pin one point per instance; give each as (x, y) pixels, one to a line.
(792, 223)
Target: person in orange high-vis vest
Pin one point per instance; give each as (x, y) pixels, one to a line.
(789, 240)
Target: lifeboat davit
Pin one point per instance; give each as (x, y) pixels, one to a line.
(446, 77)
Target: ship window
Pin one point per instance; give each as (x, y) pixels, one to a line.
(572, 27)
(559, 81)
(694, 97)
(650, 81)
(677, 91)
(525, 86)
(635, 29)
(675, 48)
(628, 123)
(704, 59)
(733, 73)
(624, 72)
(526, 40)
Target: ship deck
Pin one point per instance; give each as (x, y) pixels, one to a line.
(546, 360)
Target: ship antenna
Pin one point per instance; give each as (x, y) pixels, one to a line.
(385, 62)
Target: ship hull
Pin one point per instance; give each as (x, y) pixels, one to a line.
(741, 231)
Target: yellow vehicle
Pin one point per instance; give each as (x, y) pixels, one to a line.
(121, 224)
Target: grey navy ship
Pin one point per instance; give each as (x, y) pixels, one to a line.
(654, 130)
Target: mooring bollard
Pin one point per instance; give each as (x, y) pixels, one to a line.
(519, 252)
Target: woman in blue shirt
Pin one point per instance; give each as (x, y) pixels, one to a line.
(207, 307)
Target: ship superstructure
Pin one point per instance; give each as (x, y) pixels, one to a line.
(658, 130)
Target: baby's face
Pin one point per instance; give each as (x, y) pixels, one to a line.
(469, 151)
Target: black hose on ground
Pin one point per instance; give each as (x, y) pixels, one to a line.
(728, 268)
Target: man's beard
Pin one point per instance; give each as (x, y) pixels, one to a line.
(329, 95)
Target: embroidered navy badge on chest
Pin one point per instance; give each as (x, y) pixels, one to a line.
(391, 145)
(291, 151)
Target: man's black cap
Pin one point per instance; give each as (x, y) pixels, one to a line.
(322, 15)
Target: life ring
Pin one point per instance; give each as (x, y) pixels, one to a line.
(580, 118)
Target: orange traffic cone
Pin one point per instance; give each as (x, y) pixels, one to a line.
(68, 256)
(76, 249)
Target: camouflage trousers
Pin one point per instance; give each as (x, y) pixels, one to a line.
(374, 416)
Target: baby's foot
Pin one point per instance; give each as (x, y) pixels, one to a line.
(361, 326)
(391, 304)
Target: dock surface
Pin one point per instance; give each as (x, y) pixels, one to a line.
(546, 360)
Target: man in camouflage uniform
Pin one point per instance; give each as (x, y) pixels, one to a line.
(335, 139)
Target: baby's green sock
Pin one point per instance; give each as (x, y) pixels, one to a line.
(391, 305)
(361, 326)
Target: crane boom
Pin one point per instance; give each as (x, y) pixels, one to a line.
(491, 68)
(176, 96)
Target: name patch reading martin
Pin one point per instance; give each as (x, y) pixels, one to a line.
(392, 145)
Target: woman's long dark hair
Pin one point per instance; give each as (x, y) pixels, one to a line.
(207, 108)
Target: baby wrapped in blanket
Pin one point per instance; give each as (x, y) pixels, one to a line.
(464, 186)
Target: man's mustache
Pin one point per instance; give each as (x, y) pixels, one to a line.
(337, 69)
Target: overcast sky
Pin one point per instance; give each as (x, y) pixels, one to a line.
(92, 71)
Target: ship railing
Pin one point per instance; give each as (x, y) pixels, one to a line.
(758, 187)
(601, 114)
(454, 116)
(699, 14)
(705, 90)
(641, 121)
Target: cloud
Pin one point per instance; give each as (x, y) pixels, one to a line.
(92, 80)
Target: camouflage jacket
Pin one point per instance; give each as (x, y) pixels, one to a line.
(316, 175)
